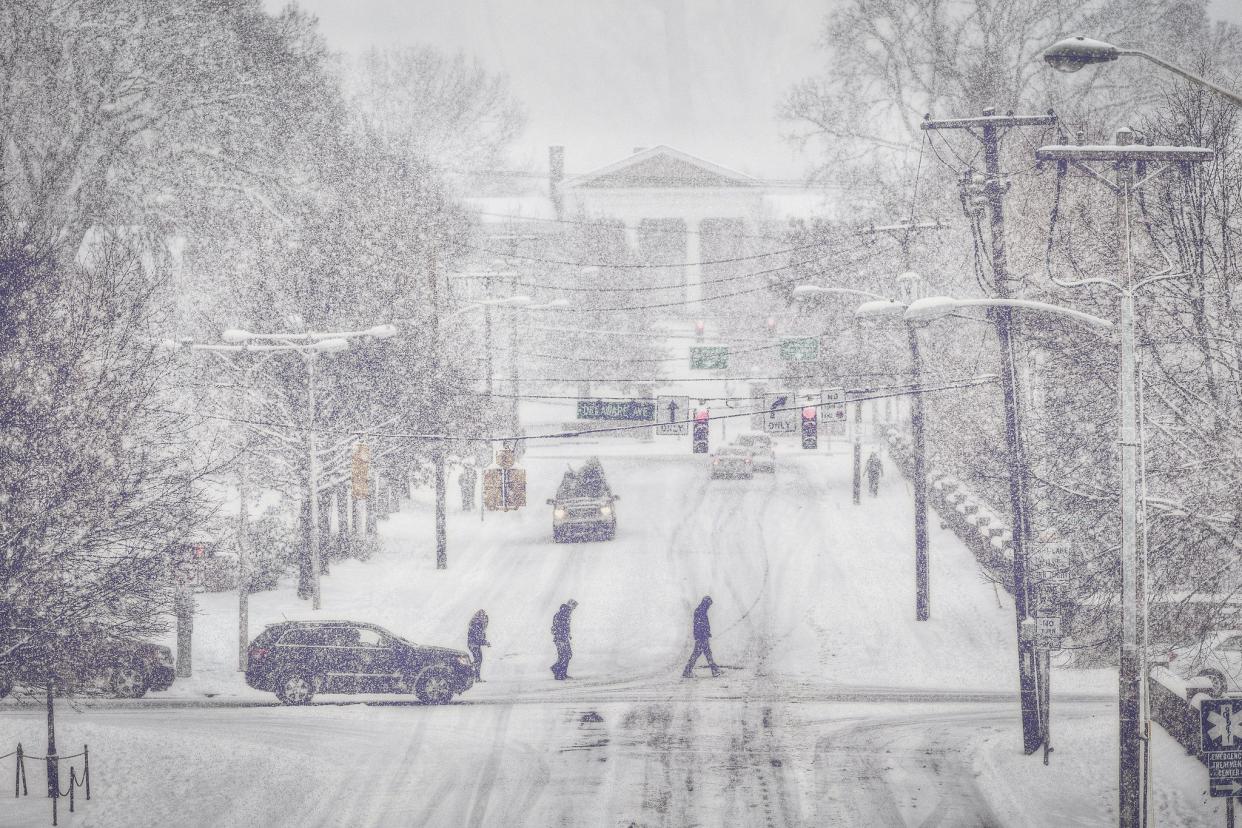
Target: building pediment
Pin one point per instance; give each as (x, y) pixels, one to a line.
(661, 167)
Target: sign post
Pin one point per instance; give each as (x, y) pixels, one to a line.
(639, 410)
(1221, 726)
(780, 413)
(707, 358)
(800, 349)
(672, 414)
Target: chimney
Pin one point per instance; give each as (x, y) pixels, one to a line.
(556, 174)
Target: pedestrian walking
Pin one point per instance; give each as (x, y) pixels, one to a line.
(476, 640)
(702, 639)
(561, 638)
(467, 480)
(875, 470)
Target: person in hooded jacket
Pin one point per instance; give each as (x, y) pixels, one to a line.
(476, 640)
(875, 470)
(561, 639)
(702, 639)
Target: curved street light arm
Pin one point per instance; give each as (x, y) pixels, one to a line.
(1043, 307)
(1190, 76)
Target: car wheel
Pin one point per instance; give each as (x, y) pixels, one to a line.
(557, 535)
(295, 688)
(1219, 684)
(129, 682)
(434, 685)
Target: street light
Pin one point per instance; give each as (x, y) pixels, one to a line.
(1074, 53)
(1131, 675)
(309, 345)
(881, 307)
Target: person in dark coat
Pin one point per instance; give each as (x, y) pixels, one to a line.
(875, 470)
(561, 638)
(476, 640)
(467, 480)
(702, 639)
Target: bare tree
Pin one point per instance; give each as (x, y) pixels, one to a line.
(422, 103)
(100, 474)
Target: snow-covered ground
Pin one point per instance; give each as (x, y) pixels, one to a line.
(837, 707)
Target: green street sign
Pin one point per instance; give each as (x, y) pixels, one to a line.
(800, 349)
(641, 410)
(708, 358)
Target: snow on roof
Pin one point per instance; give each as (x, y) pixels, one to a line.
(674, 161)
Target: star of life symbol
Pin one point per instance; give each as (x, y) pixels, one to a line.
(1226, 726)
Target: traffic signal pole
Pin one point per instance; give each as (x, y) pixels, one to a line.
(989, 130)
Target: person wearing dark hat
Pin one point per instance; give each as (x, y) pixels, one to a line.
(702, 639)
(561, 638)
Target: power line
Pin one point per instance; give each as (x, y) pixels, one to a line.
(639, 265)
(866, 396)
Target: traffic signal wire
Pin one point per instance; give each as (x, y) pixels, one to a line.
(852, 396)
(501, 254)
(816, 259)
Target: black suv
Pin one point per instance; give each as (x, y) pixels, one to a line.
(88, 659)
(297, 659)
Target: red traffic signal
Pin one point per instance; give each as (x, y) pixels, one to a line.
(810, 427)
(771, 324)
(699, 327)
(698, 441)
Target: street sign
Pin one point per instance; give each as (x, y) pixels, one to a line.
(504, 489)
(834, 404)
(780, 412)
(1048, 631)
(642, 410)
(669, 410)
(800, 349)
(708, 358)
(1221, 724)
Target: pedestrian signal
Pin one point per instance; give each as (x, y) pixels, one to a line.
(701, 425)
(810, 427)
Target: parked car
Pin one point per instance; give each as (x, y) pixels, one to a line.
(762, 450)
(584, 505)
(1218, 659)
(298, 659)
(733, 461)
(91, 659)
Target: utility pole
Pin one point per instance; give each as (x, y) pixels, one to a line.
(858, 406)
(912, 288)
(989, 130)
(1130, 162)
(922, 585)
(440, 448)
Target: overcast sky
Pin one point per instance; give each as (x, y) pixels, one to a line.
(602, 77)
(598, 75)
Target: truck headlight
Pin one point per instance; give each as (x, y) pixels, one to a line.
(558, 513)
(605, 510)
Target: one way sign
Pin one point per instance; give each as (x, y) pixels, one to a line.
(669, 410)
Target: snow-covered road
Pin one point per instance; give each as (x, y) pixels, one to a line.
(836, 707)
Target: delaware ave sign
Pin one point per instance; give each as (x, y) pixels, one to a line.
(639, 410)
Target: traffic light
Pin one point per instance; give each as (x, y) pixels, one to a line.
(771, 325)
(700, 431)
(809, 427)
(699, 328)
